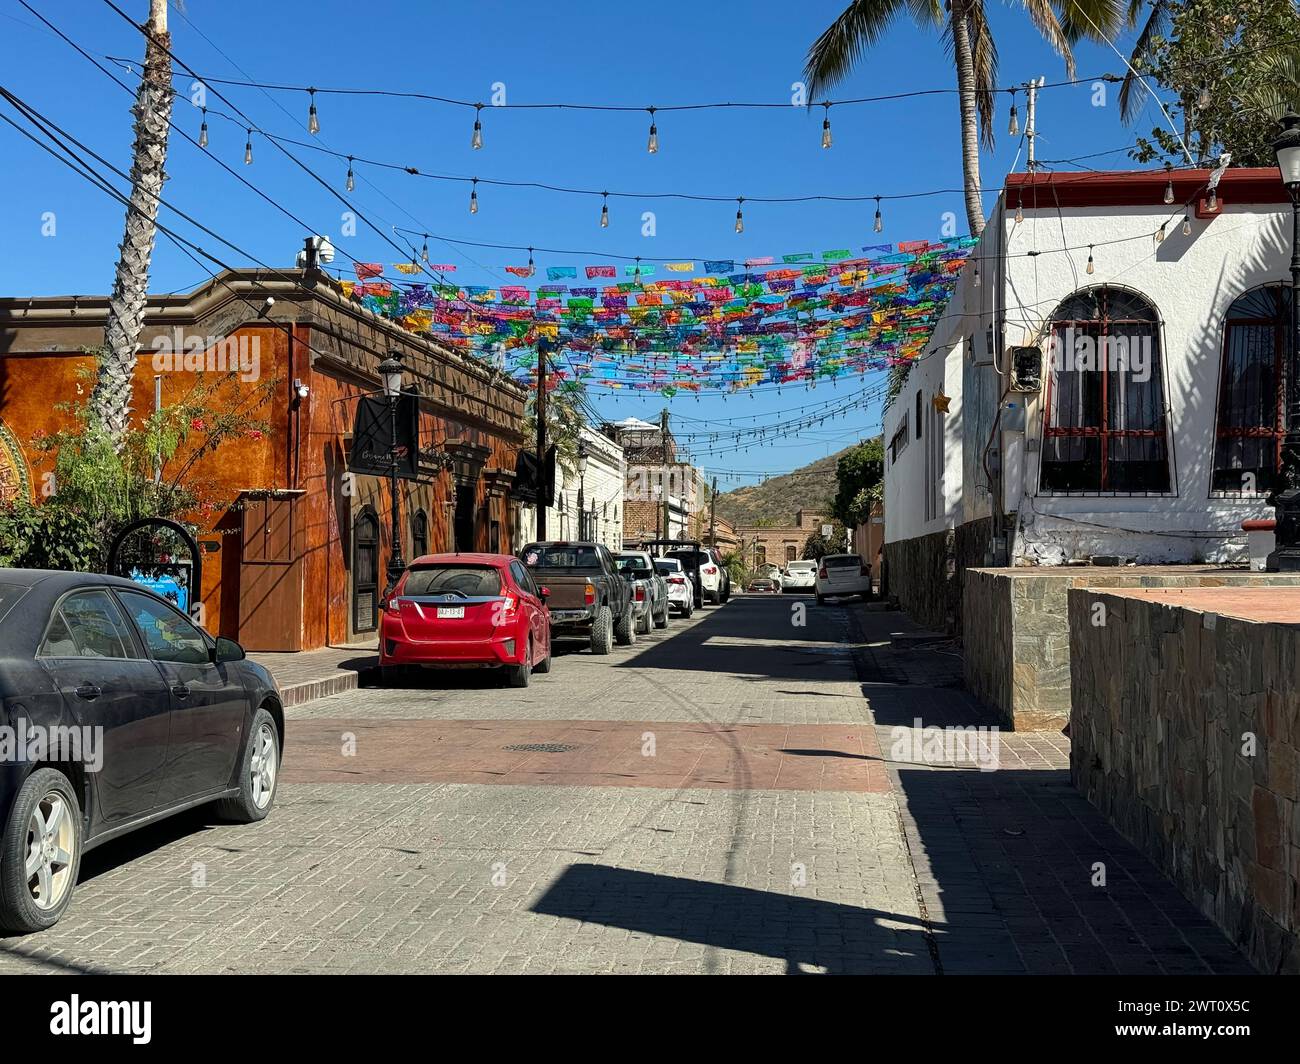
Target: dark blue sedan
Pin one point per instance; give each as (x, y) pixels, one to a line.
(115, 711)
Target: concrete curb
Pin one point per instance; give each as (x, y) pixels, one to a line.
(309, 690)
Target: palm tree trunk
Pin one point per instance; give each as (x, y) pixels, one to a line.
(111, 400)
(970, 146)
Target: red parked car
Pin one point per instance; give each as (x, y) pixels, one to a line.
(466, 611)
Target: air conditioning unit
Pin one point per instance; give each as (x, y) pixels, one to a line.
(1026, 369)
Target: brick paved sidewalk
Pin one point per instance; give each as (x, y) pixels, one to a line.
(1009, 863)
(312, 674)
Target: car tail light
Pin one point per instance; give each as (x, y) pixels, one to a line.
(589, 595)
(822, 572)
(640, 593)
(509, 610)
(709, 570)
(677, 579)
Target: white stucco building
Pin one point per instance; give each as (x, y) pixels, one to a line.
(1111, 379)
(601, 492)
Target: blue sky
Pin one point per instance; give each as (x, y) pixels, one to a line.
(640, 55)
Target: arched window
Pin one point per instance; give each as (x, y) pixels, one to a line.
(1105, 427)
(365, 571)
(1250, 423)
(419, 534)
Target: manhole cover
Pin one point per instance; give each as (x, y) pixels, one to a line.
(542, 748)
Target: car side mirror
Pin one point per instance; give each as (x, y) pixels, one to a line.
(543, 593)
(227, 650)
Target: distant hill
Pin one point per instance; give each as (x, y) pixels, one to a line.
(776, 499)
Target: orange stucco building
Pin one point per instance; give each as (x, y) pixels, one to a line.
(294, 548)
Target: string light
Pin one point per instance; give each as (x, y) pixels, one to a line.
(313, 123)
(604, 211)
(1187, 225)
(1203, 97)
(1020, 210)
(424, 251)
(248, 149)
(203, 130)
(740, 217)
(1213, 203)
(1169, 183)
(826, 126)
(977, 275)
(652, 145)
(880, 222)
(476, 141)
(1013, 127)
(1091, 268)
(1160, 233)
(352, 181)
(473, 197)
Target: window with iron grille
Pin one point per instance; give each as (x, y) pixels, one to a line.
(898, 442)
(1105, 426)
(1251, 421)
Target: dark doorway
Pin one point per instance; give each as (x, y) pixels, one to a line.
(365, 571)
(463, 530)
(419, 534)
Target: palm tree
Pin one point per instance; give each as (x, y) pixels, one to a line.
(111, 399)
(968, 39)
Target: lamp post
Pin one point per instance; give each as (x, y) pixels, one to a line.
(1286, 493)
(582, 484)
(390, 370)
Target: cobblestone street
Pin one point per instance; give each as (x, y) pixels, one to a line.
(729, 795)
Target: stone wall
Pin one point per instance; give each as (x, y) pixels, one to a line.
(1016, 633)
(1166, 700)
(919, 572)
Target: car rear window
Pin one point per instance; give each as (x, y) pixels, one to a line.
(668, 565)
(802, 565)
(635, 566)
(842, 561)
(9, 595)
(474, 581)
(561, 558)
(690, 557)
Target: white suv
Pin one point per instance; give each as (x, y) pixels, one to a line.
(843, 574)
(799, 576)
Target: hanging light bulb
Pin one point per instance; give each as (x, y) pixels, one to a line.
(1213, 203)
(424, 251)
(313, 123)
(826, 127)
(604, 210)
(1013, 127)
(977, 275)
(652, 145)
(352, 181)
(1187, 225)
(1091, 267)
(880, 222)
(476, 141)
(1160, 233)
(740, 217)
(1169, 183)
(1203, 97)
(1020, 207)
(203, 130)
(473, 197)
(248, 149)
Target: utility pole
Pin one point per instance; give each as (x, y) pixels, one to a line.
(713, 512)
(1031, 100)
(542, 344)
(663, 443)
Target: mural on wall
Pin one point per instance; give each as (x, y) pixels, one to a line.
(15, 477)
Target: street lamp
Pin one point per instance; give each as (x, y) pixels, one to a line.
(582, 479)
(390, 371)
(1286, 493)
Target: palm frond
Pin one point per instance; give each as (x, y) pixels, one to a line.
(1155, 25)
(984, 53)
(862, 24)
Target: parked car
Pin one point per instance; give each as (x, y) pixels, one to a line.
(466, 611)
(715, 556)
(650, 590)
(773, 573)
(711, 578)
(843, 574)
(800, 576)
(681, 592)
(154, 716)
(589, 598)
(763, 585)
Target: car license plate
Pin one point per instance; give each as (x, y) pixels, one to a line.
(450, 611)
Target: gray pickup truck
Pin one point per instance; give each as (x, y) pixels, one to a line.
(589, 598)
